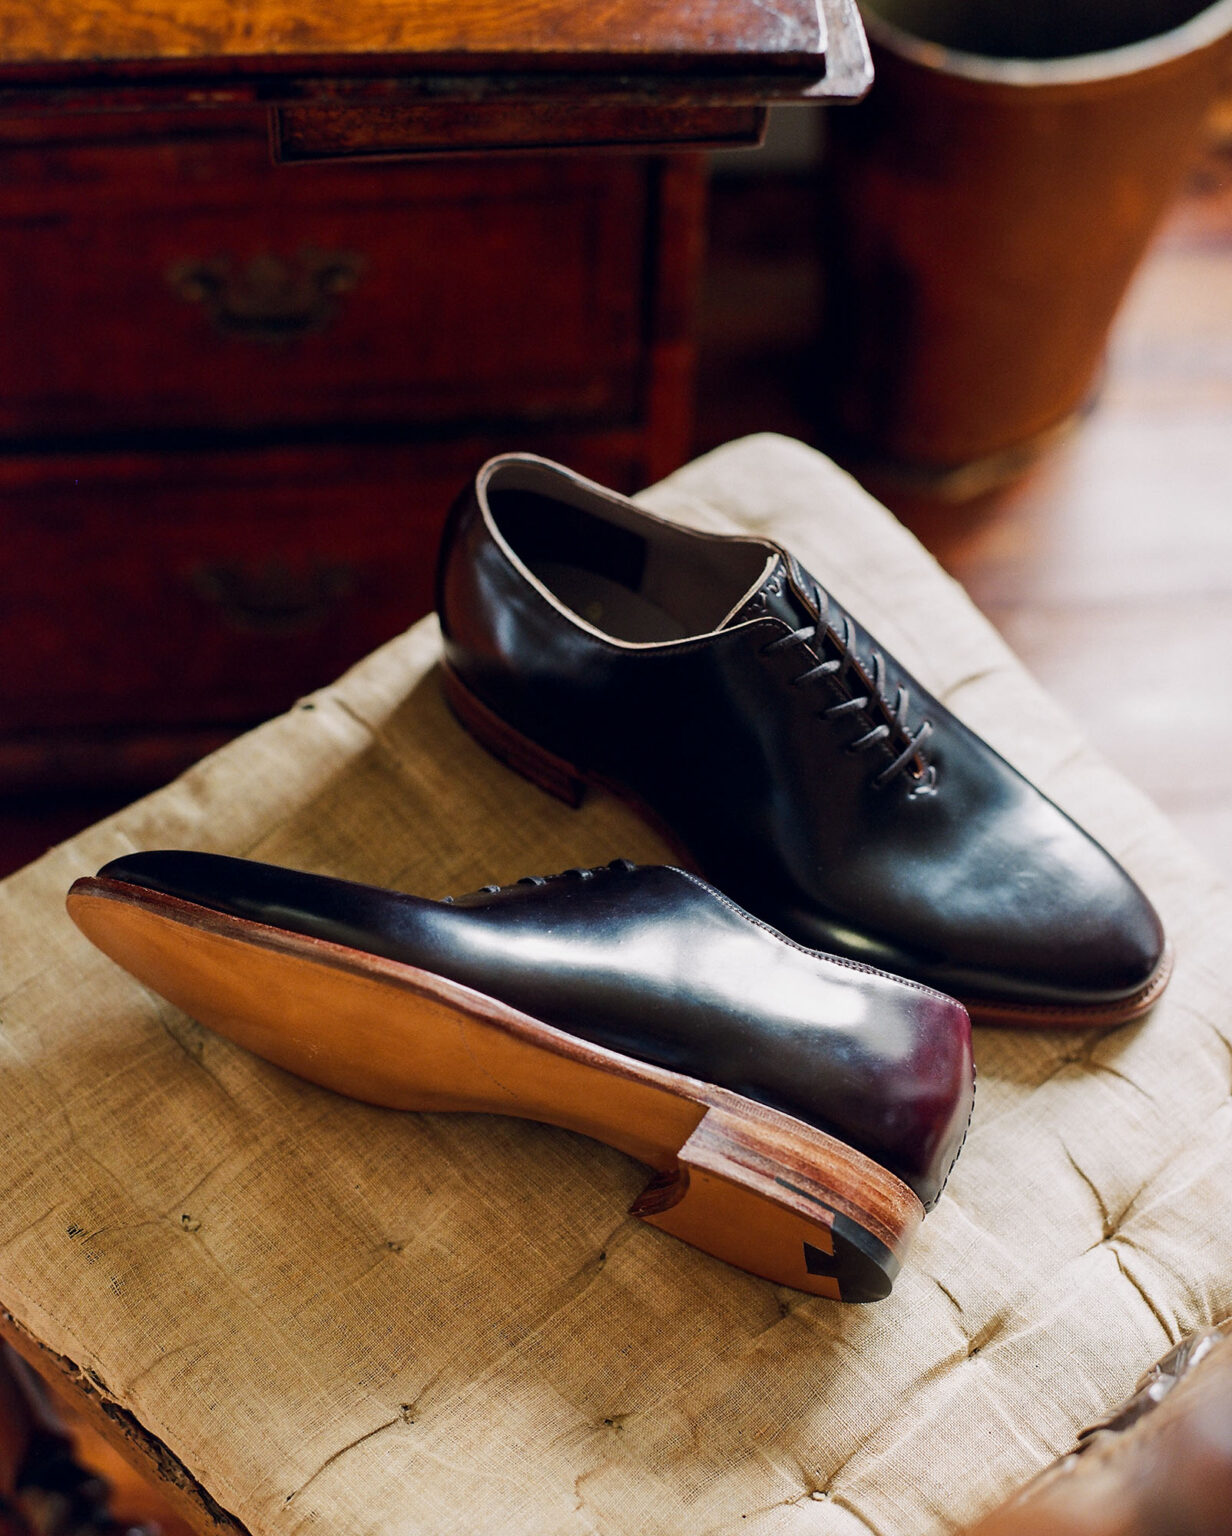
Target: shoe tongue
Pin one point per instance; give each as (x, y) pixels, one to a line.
(774, 597)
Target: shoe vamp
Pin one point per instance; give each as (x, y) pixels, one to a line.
(981, 883)
(977, 884)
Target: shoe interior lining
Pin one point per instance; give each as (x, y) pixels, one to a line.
(644, 583)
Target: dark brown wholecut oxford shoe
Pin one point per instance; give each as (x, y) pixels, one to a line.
(712, 682)
(800, 1112)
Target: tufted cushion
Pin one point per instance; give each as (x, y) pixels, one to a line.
(311, 1314)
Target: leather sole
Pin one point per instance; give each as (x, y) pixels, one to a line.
(746, 1183)
(570, 784)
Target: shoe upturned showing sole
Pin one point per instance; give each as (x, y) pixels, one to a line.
(741, 1180)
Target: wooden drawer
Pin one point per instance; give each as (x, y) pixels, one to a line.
(174, 594)
(154, 277)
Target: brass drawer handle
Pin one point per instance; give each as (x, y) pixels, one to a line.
(269, 298)
(272, 599)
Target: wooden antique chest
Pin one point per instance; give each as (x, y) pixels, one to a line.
(237, 399)
(237, 396)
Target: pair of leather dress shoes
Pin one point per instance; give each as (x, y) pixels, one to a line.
(801, 1105)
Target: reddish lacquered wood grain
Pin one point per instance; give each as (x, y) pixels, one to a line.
(59, 30)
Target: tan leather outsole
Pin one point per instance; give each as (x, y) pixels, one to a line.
(570, 784)
(755, 1187)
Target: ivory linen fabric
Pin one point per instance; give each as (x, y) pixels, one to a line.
(348, 1320)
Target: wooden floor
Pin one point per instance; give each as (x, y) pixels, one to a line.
(1109, 570)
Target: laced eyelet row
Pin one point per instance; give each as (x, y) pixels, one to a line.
(841, 667)
(619, 866)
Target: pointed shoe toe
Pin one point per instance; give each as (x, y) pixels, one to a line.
(799, 1112)
(1098, 962)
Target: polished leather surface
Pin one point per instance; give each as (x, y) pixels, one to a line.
(655, 964)
(957, 872)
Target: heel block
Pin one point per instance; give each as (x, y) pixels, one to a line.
(787, 1202)
(533, 762)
